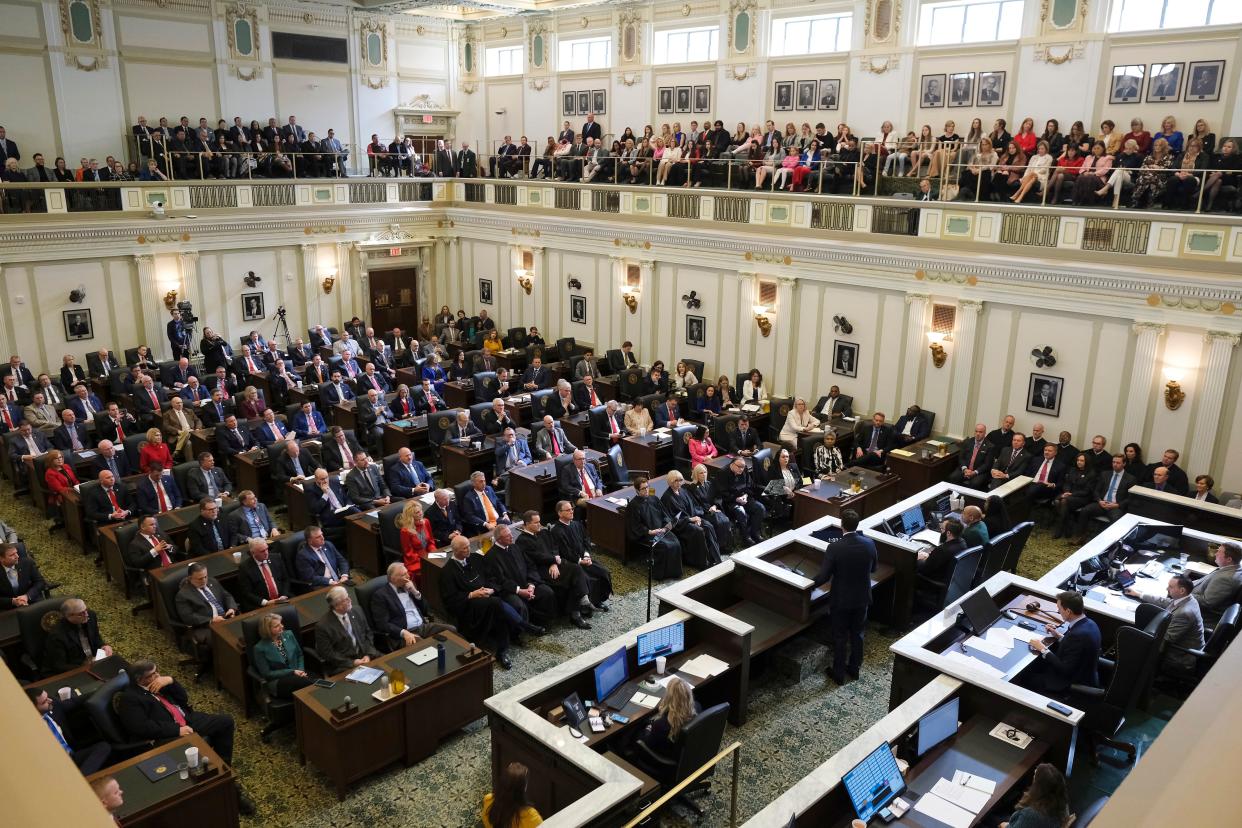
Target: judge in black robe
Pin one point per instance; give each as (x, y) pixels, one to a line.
(480, 619)
(706, 497)
(509, 570)
(645, 525)
(570, 583)
(574, 544)
(698, 538)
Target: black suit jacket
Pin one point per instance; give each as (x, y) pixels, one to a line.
(883, 443)
(203, 541)
(849, 563)
(62, 440)
(1105, 479)
(99, 508)
(333, 645)
(251, 590)
(739, 441)
(1074, 659)
(285, 470)
(982, 460)
(144, 717)
(138, 555)
(509, 569)
(443, 522)
(388, 615)
(592, 130)
(30, 583)
(62, 650)
(939, 562)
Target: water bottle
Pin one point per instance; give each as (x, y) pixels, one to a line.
(384, 685)
(440, 657)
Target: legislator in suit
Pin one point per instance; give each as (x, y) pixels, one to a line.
(200, 601)
(150, 549)
(552, 442)
(974, 460)
(320, 564)
(207, 480)
(261, 581)
(365, 487)
(1073, 656)
(1010, 462)
(408, 477)
(911, 426)
(874, 441)
(58, 715)
(155, 707)
(400, 609)
(339, 450)
(445, 521)
(744, 439)
(1046, 474)
(251, 520)
(342, 638)
(107, 504)
(72, 641)
(1112, 493)
(157, 494)
(208, 533)
(847, 567)
(481, 509)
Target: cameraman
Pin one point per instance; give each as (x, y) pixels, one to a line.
(178, 336)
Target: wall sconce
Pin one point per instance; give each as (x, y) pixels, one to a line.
(1174, 396)
(574, 283)
(524, 279)
(761, 318)
(939, 354)
(328, 283)
(630, 297)
(170, 299)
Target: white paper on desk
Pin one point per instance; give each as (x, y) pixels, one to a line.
(583, 738)
(100, 655)
(1023, 634)
(964, 660)
(962, 796)
(974, 780)
(1200, 568)
(1119, 601)
(944, 811)
(423, 656)
(991, 647)
(643, 700)
(374, 513)
(435, 556)
(664, 680)
(1000, 636)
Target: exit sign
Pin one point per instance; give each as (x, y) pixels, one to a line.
(394, 251)
(428, 119)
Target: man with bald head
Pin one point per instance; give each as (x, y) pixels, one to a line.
(975, 531)
(399, 612)
(974, 460)
(480, 614)
(1001, 438)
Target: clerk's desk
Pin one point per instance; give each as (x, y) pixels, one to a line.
(1184, 511)
(576, 784)
(820, 798)
(925, 652)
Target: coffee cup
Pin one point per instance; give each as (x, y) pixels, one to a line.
(237, 556)
(64, 693)
(191, 756)
(661, 664)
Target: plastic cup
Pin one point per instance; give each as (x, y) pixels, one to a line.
(64, 693)
(661, 664)
(183, 770)
(191, 756)
(237, 556)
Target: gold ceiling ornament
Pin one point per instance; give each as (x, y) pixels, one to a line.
(1156, 300)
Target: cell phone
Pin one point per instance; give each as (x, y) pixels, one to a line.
(619, 719)
(1060, 708)
(325, 684)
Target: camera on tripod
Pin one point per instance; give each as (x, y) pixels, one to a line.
(186, 309)
(280, 313)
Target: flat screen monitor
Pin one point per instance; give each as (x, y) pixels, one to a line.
(938, 725)
(610, 674)
(944, 504)
(981, 611)
(665, 641)
(912, 520)
(1153, 536)
(874, 782)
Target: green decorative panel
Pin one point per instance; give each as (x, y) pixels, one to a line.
(957, 226)
(375, 49)
(468, 58)
(1063, 12)
(536, 51)
(1203, 242)
(741, 31)
(534, 197)
(243, 37)
(323, 194)
(642, 204)
(780, 214)
(80, 22)
(156, 195)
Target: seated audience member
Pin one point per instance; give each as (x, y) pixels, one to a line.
(399, 612)
(427, 400)
(1216, 590)
(408, 477)
(996, 515)
(150, 549)
(1073, 655)
(70, 435)
(445, 521)
(319, 563)
(975, 532)
(251, 519)
(21, 582)
(1203, 489)
(176, 423)
(1112, 492)
(417, 538)
(59, 478)
(937, 563)
(1045, 804)
(799, 423)
(637, 419)
(1185, 630)
(57, 714)
(1176, 481)
(157, 492)
(277, 658)
(565, 577)
(697, 536)
(270, 430)
(482, 509)
(328, 503)
(154, 452)
(518, 582)
(826, 457)
(480, 615)
(911, 427)
(647, 525)
(339, 450)
(1010, 462)
(308, 423)
(573, 544)
(874, 441)
(579, 480)
(1077, 490)
(551, 440)
(702, 449)
(1046, 473)
(73, 640)
(496, 419)
(668, 414)
(364, 484)
(207, 532)
(108, 503)
(676, 710)
(201, 601)
(261, 579)
(752, 388)
(295, 464)
(508, 806)
(738, 501)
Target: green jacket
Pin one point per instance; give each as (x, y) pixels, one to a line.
(269, 664)
(975, 535)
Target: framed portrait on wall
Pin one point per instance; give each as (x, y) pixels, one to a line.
(584, 103)
(782, 98)
(577, 309)
(961, 88)
(991, 89)
(830, 93)
(599, 97)
(252, 306)
(931, 92)
(664, 100)
(806, 94)
(485, 291)
(845, 358)
(702, 98)
(571, 103)
(696, 331)
(1164, 82)
(78, 325)
(1127, 84)
(1203, 82)
(683, 98)
(1043, 394)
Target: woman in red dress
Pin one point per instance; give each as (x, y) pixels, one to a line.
(416, 538)
(59, 478)
(154, 452)
(250, 407)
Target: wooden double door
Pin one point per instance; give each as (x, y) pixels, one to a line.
(394, 299)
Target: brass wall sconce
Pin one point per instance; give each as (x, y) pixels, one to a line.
(1174, 396)
(170, 299)
(631, 300)
(328, 283)
(762, 320)
(939, 354)
(524, 279)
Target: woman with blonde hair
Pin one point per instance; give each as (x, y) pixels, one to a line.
(278, 658)
(154, 452)
(250, 407)
(1036, 172)
(676, 710)
(668, 160)
(417, 540)
(1151, 178)
(923, 147)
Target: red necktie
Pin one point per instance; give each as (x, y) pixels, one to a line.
(8, 421)
(116, 504)
(159, 493)
(374, 383)
(155, 401)
(1043, 472)
(432, 402)
(155, 544)
(556, 446)
(272, 592)
(612, 423)
(973, 455)
(173, 710)
(587, 488)
(250, 364)
(594, 399)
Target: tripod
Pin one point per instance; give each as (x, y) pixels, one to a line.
(282, 327)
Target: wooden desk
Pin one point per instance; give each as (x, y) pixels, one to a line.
(220, 565)
(345, 414)
(406, 728)
(297, 511)
(202, 439)
(458, 394)
(457, 463)
(513, 360)
(304, 394)
(254, 472)
(578, 428)
(228, 645)
(605, 520)
(833, 497)
(362, 543)
(210, 803)
(83, 680)
(412, 436)
(409, 377)
(528, 490)
(652, 453)
(916, 473)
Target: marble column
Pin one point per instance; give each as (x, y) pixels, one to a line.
(350, 301)
(785, 327)
(459, 292)
(439, 277)
(152, 306)
(1213, 377)
(1142, 372)
(611, 300)
(960, 415)
(916, 346)
(191, 285)
(648, 315)
(314, 289)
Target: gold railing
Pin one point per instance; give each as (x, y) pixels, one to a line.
(734, 750)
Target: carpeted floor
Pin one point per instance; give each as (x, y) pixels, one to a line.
(794, 725)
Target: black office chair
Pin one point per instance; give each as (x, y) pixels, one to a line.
(438, 425)
(278, 712)
(700, 742)
(101, 708)
(286, 548)
(723, 428)
(681, 448)
(781, 406)
(34, 621)
(478, 410)
(199, 654)
(362, 598)
(614, 361)
(695, 365)
(992, 558)
(539, 401)
(621, 474)
(1219, 639)
(125, 533)
(939, 594)
(390, 533)
(630, 385)
(541, 351)
(181, 475)
(651, 401)
(1155, 621)
(133, 445)
(486, 386)
(1106, 708)
(1021, 533)
(694, 397)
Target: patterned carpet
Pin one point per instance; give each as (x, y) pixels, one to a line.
(793, 727)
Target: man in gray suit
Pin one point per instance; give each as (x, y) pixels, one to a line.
(365, 485)
(201, 601)
(1185, 627)
(1220, 588)
(551, 440)
(40, 415)
(343, 637)
(207, 480)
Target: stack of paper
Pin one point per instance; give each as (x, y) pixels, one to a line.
(991, 647)
(1023, 634)
(961, 795)
(973, 780)
(364, 675)
(944, 811)
(704, 666)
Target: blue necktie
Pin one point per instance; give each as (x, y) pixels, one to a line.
(55, 728)
(255, 529)
(211, 599)
(1110, 496)
(215, 533)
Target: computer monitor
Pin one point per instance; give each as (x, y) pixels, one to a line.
(1153, 536)
(981, 611)
(874, 782)
(894, 526)
(944, 504)
(912, 521)
(665, 641)
(938, 725)
(610, 674)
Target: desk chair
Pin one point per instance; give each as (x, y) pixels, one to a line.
(33, 623)
(101, 707)
(694, 395)
(937, 595)
(631, 383)
(181, 474)
(133, 445)
(390, 533)
(477, 411)
(681, 448)
(286, 548)
(566, 347)
(992, 557)
(700, 742)
(438, 425)
(695, 365)
(517, 337)
(199, 654)
(125, 533)
(614, 361)
(1218, 641)
(1138, 651)
(485, 386)
(541, 351)
(621, 474)
(780, 408)
(1021, 534)
(539, 401)
(278, 712)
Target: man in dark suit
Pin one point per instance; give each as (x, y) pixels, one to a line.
(1112, 492)
(591, 130)
(579, 481)
(1001, 437)
(261, 579)
(1073, 655)
(150, 401)
(73, 640)
(300, 353)
(155, 707)
(8, 149)
(667, 414)
(496, 419)
(232, 439)
(194, 393)
(974, 460)
(1177, 481)
(911, 427)
(586, 395)
(11, 416)
(157, 492)
(365, 486)
(426, 400)
(738, 501)
(518, 583)
(83, 403)
(309, 423)
(201, 601)
(107, 458)
(21, 582)
(335, 392)
(608, 424)
(535, 376)
(834, 404)
(408, 477)
(70, 435)
(178, 336)
(510, 453)
(937, 563)
(562, 403)
(445, 160)
(848, 564)
(467, 162)
(481, 510)
(251, 519)
(108, 503)
(744, 440)
(339, 450)
(328, 503)
(207, 532)
(115, 424)
(207, 480)
(56, 713)
(399, 613)
(295, 463)
(317, 372)
(271, 430)
(445, 522)
(874, 442)
(463, 430)
(1046, 473)
(343, 637)
(1010, 462)
(371, 379)
(18, 369)
(149, 549)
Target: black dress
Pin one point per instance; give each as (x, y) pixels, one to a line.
(642, 515)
